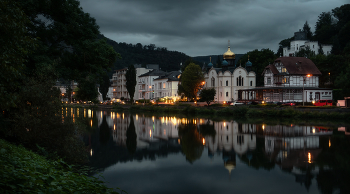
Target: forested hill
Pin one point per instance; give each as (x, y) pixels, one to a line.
(146, 54)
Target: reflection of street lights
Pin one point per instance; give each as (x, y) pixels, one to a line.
(308, 75)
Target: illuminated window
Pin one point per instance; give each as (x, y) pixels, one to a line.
(284, 69)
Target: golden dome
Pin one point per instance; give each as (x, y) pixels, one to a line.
(229, 54)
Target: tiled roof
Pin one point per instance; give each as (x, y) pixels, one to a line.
(153, 73)
(298, 65)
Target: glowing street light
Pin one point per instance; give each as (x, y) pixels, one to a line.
(308, 75)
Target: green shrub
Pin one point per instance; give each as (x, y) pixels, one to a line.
(23, 171)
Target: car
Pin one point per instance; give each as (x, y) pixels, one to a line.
(323, 103)
(288, 104)
(235, 103)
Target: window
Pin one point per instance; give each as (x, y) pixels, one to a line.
(268, 81)
(239, 81)
(284, 69)
(213, 81)
(163, 85)
(251, 83)
(226, 83)
(226, 93)
(220, 93)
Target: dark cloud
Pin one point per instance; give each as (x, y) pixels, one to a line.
(202, 27)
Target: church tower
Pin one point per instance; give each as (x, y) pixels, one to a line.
(229, 56)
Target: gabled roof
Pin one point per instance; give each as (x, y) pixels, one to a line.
(170, 76)
(153, 73)
(295, 66)
(299, 65)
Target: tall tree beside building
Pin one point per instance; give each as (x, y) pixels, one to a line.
(191, 80)
(307, 30)
(131, 81)
(218, 62)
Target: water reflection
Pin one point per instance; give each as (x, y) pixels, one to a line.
(313, 156)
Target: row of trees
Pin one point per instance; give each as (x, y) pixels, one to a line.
(42, 42)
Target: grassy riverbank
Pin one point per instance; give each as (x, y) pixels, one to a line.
(24, 171)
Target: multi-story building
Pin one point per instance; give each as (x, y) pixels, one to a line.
(289, 79)
(119, 81)
(229, 79)
(166, 86)
(300, 42)
(145, 85)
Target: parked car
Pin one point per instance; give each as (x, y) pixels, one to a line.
(288, 104)
(323, 103)
(235, 103)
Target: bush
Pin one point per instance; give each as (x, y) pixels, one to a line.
(23, 171)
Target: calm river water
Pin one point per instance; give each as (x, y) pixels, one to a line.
(167, 154)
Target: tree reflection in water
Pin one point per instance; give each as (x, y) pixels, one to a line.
(131, 137)
(105, 131)
(191, 141)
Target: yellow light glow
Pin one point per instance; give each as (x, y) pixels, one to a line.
(262, 102)
(308, 75)
(178, 141)
(203, 141)
(91, 123)
(224, 124)
(153, 118)
(313, 130)
(263, 127)
(91, 152)
(137, 117)
(114, 126)
(313, 102)
(150, 133)
(329, 143)
(123, 116)
(309, 157)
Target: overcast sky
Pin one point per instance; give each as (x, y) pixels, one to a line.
(203, 27)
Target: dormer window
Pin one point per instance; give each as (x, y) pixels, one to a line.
(284, 70)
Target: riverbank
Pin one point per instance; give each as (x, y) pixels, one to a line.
(24, 171)
(247, 111)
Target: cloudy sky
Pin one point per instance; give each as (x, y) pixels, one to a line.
(203, 27)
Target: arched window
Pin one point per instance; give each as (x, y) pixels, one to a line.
(237, 82)
(242, 81)
(213, 81)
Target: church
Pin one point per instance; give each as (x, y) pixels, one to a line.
(229, 79)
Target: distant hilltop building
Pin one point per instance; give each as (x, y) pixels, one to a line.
(300, 42)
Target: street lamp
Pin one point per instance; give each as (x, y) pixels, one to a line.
(308, 75)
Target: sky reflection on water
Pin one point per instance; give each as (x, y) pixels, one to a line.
(181, 155)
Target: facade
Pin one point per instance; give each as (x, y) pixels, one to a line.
(166, 86)
(300, 42)
(119, 81)
(145, 84)
(229, 79)
(291, 79)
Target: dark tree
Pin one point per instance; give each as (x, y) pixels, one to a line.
(307, 30)
(282, 44)
(104, 86)
(131, 137)
(207, 95)
(324, 30)
(131, 81)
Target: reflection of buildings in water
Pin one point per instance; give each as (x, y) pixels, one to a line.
(346, 130)
(293, 145)
(231, 138)
(239, 137)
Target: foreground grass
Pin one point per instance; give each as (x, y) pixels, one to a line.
(23, 171)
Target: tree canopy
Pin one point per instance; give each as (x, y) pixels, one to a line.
(191, 80)
(207, 95)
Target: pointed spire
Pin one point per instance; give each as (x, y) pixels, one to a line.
(210, 59)
(248, 57)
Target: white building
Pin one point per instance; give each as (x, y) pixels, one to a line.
(119, 82)
(291, 79)
(166, 86)
(229, 79)
(145, 84)
(300, 42)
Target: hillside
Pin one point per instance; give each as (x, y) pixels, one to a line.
(146, 54)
